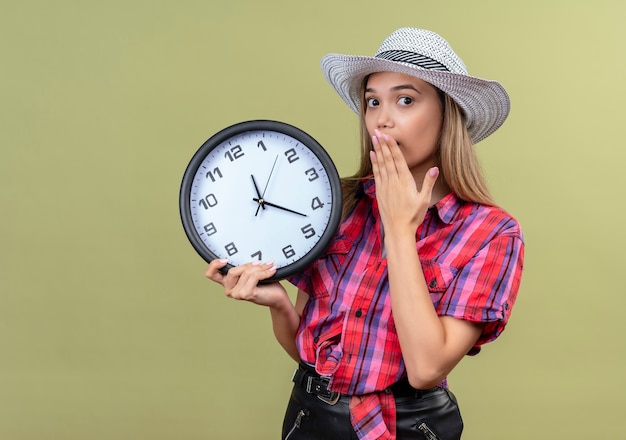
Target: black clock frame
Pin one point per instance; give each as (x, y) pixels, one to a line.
(264, 125)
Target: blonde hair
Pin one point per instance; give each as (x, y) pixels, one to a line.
(458, 163)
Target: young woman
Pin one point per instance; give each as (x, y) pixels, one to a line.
(425, 267)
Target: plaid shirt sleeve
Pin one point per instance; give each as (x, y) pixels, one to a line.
(485, 289)
(302, 280)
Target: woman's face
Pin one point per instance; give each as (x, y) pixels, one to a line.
(407, 109)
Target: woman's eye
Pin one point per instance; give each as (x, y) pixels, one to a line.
(372, 102)
(405, 100)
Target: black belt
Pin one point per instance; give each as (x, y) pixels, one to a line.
(308, 379)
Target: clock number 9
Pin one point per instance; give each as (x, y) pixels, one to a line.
(210, 229)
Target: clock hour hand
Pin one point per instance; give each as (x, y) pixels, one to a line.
(264, 202)
(258, 194)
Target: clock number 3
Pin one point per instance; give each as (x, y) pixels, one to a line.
(312, 174)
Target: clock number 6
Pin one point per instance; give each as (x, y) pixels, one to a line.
(288, 251)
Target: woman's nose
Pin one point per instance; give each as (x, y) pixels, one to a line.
(383, 118)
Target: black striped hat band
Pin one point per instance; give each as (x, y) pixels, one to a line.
(413, 58)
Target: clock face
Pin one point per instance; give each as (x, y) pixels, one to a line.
(261, 190)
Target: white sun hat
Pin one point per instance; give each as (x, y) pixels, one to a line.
(425, 55)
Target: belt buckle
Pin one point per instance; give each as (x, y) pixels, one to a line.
(331, 400)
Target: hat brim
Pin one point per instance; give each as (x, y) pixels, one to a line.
(485, 103)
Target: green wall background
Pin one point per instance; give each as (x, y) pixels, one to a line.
(108, 329)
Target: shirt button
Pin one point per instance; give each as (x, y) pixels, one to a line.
(358, 313)
(316, 339)
(433, 283)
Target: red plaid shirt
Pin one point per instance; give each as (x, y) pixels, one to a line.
(472, 258)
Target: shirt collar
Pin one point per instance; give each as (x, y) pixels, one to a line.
(447, 208)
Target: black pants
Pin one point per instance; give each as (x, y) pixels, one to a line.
(434, 416)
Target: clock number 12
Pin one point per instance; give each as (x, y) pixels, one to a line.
(234, 153)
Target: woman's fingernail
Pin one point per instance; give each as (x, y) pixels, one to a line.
(434, 171)
(256, 263)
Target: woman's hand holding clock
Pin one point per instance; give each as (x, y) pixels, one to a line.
(242, 282)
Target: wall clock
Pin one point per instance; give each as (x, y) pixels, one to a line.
(261, 190)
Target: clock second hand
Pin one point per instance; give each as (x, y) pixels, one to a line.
(268, 178)
(261, 201)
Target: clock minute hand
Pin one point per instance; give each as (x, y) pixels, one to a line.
(279, 207)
